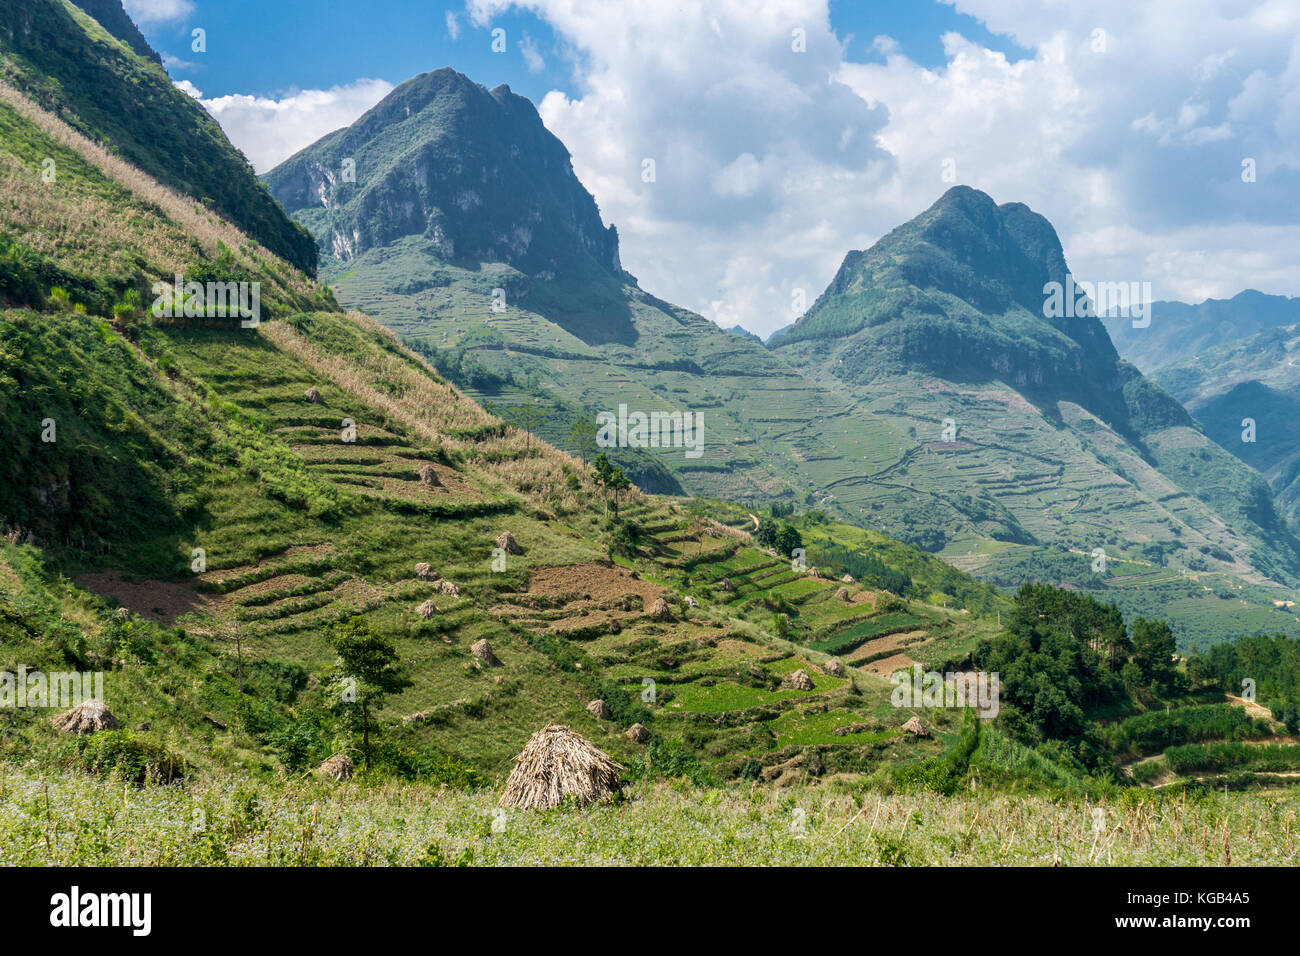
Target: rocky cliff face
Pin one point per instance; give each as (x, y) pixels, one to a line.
(958, 292)
(472, 171)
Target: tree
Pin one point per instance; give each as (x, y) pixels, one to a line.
(765, 534)
(1153, 652)
(527, 418)
(583, 436)
(367, 671)
(610, 478)
(787, 539)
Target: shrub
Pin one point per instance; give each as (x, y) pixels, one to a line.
(134, 757)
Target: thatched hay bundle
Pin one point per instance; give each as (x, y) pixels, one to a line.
(446, 587)
(847, 579)
(600, 710)
(313, 395)
(842, 594)
(427, 610)
(507, 543)
(691, 602)
(660, 610)
(727, 585)
(425, 572)
(428, 475)
(556, 764)
(638, 734)
(915, 727)
(833, 667)
(483, 651)
(799, 680)
(338, 767)
(88, 717)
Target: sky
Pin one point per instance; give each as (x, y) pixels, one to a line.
(1161, 139)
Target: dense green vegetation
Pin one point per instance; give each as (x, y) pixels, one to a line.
(69, 63)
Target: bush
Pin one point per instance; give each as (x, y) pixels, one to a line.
(134, 757)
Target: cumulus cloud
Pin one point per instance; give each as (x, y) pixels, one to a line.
(532, 57)
(1127, 127)
(157, 11)
(270, 130)
(720, 142)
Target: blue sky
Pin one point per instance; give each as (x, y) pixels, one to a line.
(1131, 128)
(273, 47)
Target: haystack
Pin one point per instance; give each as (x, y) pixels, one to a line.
(600, 710)
(660, 610)
(727, 585)
(88, 717)
(638, 734)
(338, 767)
(833, 667)
(507, 543)
(847, 579)
(425, 572)
(446, 587)
(427, 610)
(557, 764)
(915, 727)
(691, 602)
(483, 651)
(799, 680)
(842, 594)
(313, 395)
(428, 475)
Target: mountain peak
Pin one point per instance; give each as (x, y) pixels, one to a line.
(474, 173)
(959, 292)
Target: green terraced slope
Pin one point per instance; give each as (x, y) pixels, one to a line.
(519, 298)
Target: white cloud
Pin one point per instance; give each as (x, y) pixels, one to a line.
(532, 58)
(453, 26)
(157, 11)
(185, 86)
(269, 130)
(1127, 128)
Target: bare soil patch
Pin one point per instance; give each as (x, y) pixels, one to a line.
(160, 601)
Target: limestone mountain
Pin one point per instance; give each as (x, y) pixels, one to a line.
(958, 292)
(474, 172)
(450, 214)
(1029, 421)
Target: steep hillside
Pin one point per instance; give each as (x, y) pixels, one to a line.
(468, 234)
(121, 97)
(1178, 331)
(203, 510)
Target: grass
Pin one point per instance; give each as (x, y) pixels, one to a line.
(52, 818)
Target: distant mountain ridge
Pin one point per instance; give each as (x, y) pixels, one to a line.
(1179, 331)
(1246, 395)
